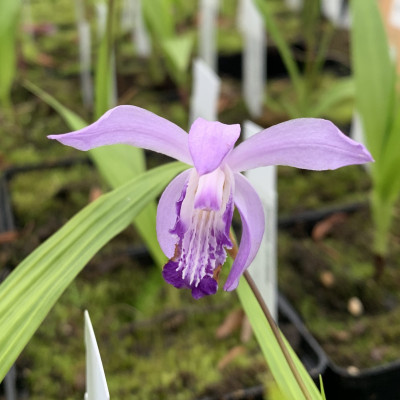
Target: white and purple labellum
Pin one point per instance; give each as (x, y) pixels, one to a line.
(203, 219)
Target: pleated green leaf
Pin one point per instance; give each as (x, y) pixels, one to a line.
(30, 291)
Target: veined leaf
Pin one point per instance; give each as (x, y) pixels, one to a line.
(30, 291)
(374, 74)
(177, 51)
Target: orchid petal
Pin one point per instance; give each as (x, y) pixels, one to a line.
(134, 126)
(166, 212)
(308, 143)
(210, 143)
(253, 224)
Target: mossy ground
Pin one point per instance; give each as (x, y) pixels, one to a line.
(345, 255)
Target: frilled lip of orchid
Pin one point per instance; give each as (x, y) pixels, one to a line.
(194, 212)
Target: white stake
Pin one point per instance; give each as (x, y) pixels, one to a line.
(127, 15)
(96, 384)
(295, 5)
(263, 268)
(254, 58)
(85, 63)
(205, 92)
(395, 14)
(140, 36)
(207, 39)
(336, 12)
(84, 54)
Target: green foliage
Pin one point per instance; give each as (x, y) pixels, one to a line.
(177, 51)
(310, 98)
(29, 292)
(9, 15)
(175, 47)
(379, 108)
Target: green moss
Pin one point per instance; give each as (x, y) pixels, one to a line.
(146, 352)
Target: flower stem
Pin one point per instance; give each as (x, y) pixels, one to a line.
(275, 330)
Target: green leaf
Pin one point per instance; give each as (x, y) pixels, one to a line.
(177, 51)
(283, 47)
(74, 121)
(374, 74)
(9, 15)
(159, 17)
(117, 164)
(376, 102)
(103, 73)
(321, 384)
(272, 352)
(340, 91)
(30, 291)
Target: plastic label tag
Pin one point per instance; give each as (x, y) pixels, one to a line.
(264, 265)
(96, 384)
(254, 59)
(205, 94)
(395, 14)
(207, 39)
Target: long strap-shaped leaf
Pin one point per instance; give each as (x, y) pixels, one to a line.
(30, 291)
(272, 352)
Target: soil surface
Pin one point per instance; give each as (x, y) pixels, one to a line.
(328, 274)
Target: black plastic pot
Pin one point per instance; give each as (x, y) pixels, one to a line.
(378, 383)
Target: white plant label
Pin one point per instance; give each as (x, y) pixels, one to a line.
(140, 35)
(395, 14)
(85, 63)
(331, 9)
(96, 384)
(254, 57)
(101, 12)
(264, 266)
(337, 12)
(207, 39)
(205, 92)
(127, 15)
(295, 5)
(84, 54)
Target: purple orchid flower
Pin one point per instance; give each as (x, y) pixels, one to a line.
(195, 211)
